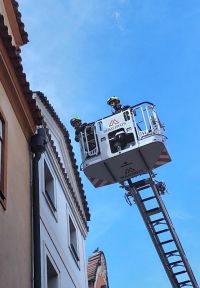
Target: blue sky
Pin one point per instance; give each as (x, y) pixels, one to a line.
(82, 52)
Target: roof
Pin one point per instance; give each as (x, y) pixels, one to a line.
(97, 259)
(16, 60)
(93, 263)
(63, 129)
(21, 26)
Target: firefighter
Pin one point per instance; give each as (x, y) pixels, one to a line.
(114, 102)
(78, 126)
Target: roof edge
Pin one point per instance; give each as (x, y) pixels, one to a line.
(65, 133)
(18, 15)
(15, 60)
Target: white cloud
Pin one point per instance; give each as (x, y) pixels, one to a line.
(104, 218)
(117, 15)
(118, 20)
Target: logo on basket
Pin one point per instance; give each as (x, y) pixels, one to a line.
(113, 122)
(129, 171)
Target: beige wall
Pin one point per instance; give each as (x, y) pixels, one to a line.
(15, 221)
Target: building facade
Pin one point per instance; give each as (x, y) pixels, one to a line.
(63, 207)
(19, 117)
(49, 253)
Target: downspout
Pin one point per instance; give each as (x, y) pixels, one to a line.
(38, 143)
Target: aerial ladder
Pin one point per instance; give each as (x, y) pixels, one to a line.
(123, 148)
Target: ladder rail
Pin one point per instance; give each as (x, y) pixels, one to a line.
(174, 235)
(134, 190)
(155, 240)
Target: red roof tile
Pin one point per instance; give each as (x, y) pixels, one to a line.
(16, 60)
(93, 263)
(23, 33)
(97, 259)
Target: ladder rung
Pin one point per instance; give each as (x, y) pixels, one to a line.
(176, 262)
(170, 253)
(184, 282)
(162, 231)
(143, 188)
(167, 241)
(142, 183)
(158, 220)
(148, 198)
(153, 211)
(181, 272)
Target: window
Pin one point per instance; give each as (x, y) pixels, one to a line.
(2, 161)
(73, 240)
(52, 275)
(49, 186)
(126, 116)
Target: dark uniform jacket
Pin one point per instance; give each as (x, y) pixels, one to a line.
(78, 131)
(118, 108)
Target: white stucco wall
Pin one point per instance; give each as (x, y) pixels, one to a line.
(60, 144)
(55, 233)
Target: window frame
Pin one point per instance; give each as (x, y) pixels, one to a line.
(52, 204)
(48, 255)
(3, 165)
(74, 250)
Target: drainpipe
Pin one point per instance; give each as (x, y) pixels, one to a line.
(38, 143)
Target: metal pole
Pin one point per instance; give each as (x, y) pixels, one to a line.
(38, 143)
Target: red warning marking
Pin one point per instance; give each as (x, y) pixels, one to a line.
(98, 182)
(113, 122)
(163, 159)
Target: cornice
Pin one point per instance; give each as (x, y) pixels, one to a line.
(15, 21)
(14, 80)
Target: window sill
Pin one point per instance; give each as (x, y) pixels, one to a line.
(51, 207)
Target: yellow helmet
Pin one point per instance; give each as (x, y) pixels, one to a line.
(114, 99)
(75, 120)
